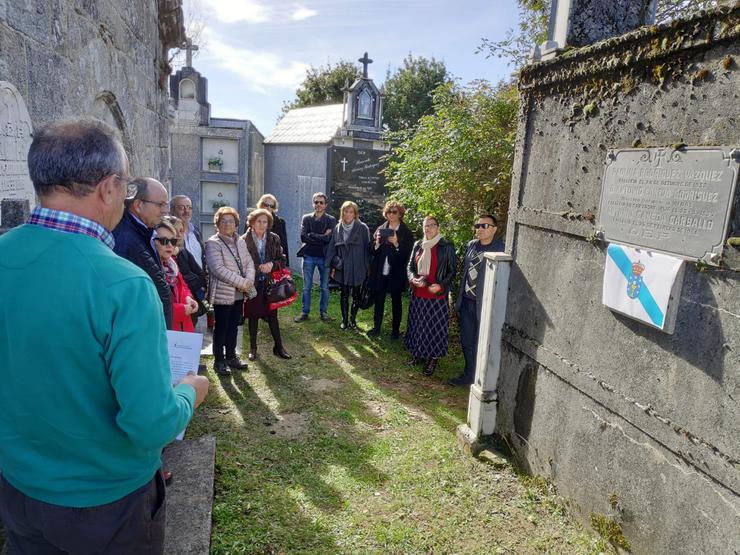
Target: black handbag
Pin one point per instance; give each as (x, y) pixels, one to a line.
(336, 263)
(280, 289)
(366, 297)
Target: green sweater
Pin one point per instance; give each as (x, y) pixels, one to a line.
(86, 403)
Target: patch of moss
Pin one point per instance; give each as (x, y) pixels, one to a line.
(610, 530)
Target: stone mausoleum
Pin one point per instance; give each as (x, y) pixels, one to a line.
(103, 59)
(335, 149)
(215, 161)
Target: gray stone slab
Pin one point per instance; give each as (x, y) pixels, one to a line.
(190, 496)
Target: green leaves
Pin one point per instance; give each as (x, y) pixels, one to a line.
(456, 163)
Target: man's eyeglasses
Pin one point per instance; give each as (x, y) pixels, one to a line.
(164, 241)
(319, 202)
(162, 205)
(483, 226)
(185, 207)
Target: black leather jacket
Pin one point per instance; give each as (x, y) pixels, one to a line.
(446, 264)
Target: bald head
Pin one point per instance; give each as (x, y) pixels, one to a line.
(150, 200)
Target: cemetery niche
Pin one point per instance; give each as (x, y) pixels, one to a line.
(15, 140)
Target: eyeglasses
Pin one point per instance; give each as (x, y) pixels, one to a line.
(430, 225)
(483, 226)
(164, 241)
(319, 202)
(185, 207)
(225, 221)
(392, 211)
(270, 206)
(162, 205)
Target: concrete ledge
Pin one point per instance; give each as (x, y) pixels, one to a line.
(190, 496)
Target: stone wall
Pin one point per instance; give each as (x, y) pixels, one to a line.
(103, 58)
(638, 427)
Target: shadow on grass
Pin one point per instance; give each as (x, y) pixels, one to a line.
(273, 491)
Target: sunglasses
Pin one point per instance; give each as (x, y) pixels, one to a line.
(164, 241)
(270, 206)
(483, 226)
(392, 211)
(319, 202)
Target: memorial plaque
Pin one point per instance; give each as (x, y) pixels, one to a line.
(356, 176)
(674, 201)
(15, 140)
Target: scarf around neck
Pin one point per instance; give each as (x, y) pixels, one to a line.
(347, 229)
(425, 260)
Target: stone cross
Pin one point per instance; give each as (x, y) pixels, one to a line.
(189, 49)
(365, 61)
(583, 22)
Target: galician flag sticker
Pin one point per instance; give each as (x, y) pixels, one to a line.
(638, 283)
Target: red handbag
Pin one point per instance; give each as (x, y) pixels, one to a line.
(281, 290)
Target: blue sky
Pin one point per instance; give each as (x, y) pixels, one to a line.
(255, 52)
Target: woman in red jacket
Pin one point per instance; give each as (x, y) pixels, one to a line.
(183, 301)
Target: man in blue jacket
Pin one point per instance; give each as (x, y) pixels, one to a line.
(134, 235)
(470, 296)
(87, 401)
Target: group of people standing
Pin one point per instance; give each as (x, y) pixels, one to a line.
(389, 262)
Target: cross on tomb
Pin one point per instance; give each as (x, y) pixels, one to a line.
(365, 61)
(189, 49)
(344, 163)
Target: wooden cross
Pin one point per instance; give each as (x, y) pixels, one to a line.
(189, 48)
(365, 61)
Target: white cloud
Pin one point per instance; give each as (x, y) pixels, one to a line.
(233, 11)
(302, 12)
(259, 70)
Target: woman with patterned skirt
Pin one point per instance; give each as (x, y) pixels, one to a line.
(431, 270)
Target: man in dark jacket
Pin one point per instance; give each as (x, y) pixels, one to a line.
(134, 235)
(470, 296)
(316, 231)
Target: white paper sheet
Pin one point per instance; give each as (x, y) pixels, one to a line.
(184, 349)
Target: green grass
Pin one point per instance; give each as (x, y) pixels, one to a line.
(345, 449)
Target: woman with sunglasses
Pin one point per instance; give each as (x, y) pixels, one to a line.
(231, 275)
(431, 270)
(392, 243)
(269, 202)
(183, 301)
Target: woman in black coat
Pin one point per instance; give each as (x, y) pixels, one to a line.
(392, 243)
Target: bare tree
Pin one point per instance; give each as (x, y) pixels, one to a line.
(196, 22)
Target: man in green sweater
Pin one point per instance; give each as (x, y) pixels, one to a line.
(86, 399)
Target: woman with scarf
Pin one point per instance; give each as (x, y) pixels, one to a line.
(183, 301)
(348, 256)
(431, 270)
(267, 255)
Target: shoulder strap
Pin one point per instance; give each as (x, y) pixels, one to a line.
(235, 255)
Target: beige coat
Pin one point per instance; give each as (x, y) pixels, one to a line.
(224, 279)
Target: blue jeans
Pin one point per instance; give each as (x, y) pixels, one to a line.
(310, 263)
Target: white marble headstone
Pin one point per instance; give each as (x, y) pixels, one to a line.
(15, 140)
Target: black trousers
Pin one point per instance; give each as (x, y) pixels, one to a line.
(345, 292)
(133, 524)
(382, 284)
(226, 326)
(469, 326)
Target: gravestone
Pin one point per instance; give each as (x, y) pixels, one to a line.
(356, 175)
(15, 140)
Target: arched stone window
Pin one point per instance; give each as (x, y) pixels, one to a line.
(187, 89)
(365, 105)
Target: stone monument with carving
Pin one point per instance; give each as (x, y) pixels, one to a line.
(15, 139)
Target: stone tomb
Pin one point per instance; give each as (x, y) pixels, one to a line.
(677, 201)
(15, 140)
(356, 174)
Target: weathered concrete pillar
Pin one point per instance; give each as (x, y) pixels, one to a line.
(483, 395)
(583, 22)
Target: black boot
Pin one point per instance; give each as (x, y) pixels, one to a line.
(344, 306)
(429, 370)
(278, 349)
(353, 315)
(253, 339)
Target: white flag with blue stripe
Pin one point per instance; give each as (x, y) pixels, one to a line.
(638, 283)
